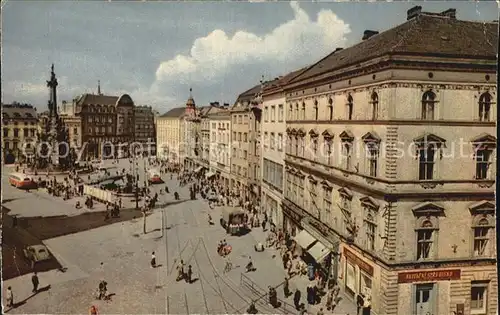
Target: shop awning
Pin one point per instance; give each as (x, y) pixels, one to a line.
(198, 169)
(209, 174)
(304, 239)
(318, 251)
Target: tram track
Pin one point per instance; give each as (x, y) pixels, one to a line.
(180, 258)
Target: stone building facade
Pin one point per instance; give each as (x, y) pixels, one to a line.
(73, 123)
(19, 131)
(389, 165)
(169, 135)
(273, 147)
(144, 119)
(107, 124)
(220, 146)
(245, 144)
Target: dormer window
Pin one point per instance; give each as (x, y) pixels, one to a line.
(374, 103)
(350, 107)
(428, 105)
(484, 107)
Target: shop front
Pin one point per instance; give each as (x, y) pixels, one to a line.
(292, 217)
(325, 251)
(357, 275)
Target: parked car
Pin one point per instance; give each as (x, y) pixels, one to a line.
(36, 253)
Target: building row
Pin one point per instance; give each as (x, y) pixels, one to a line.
(379, 159)
(99, 126)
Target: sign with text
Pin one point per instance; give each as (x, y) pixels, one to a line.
(429, 275)
(353, 258)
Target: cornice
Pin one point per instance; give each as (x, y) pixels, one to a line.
(385, 63)
(395, 122)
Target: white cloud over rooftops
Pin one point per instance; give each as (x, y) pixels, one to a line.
(213, 56)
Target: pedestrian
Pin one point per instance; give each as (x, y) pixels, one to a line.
(189, 275)
(180, 270)
(153, 260)
(35, 282)
(93, 310)
(286, 287)
(296, 299)
(359, 302)
(320, 312)
(367, 306)
(264, 225)
(10, 297)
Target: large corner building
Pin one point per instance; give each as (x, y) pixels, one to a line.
(389, 165)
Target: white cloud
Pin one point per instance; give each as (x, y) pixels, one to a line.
(213, 56)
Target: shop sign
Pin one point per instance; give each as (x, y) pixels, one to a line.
(353, 258)
(430, 275)
(291, 213)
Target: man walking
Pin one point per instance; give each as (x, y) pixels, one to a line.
(35, 282)
(10, 297)
(286, 287)
(296, 299)
(153, 260)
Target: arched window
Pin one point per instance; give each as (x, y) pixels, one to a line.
(330, 108)
(428, 105)
(315, 109)
(374, 102)
(303, 112)
(484, 107)
(425, 238)
(297, 115)
(350, 107)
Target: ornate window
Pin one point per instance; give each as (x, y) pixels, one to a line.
(300, 137)
(303, 112)
(346, 139)
(428, 105)
(374, 102)
(316, 110)
(485, 107)
(427, 226)
(328, 146)
(290, 112)
(372, 147)
(370, 211)
(330, 109)
(350, 107)
(483, 225)
(313, 195)
(313, 134)
(483, 146)
(345, 208)
(289, 185)
(327, 203)
(429, 148)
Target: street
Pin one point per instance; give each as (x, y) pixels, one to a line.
(120, 254)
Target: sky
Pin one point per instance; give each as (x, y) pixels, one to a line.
(157, 51)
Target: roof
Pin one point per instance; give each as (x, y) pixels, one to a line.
(427, 33)
(18, 111)
(88, 99)
(249, 95)
(277, 83)
(177, 112)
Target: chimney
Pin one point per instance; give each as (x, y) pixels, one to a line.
(369, 33)
(451, 13)
(413, 12)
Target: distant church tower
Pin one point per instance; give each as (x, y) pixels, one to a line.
(190, 104)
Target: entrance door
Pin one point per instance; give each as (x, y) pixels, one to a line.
(424, 299)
